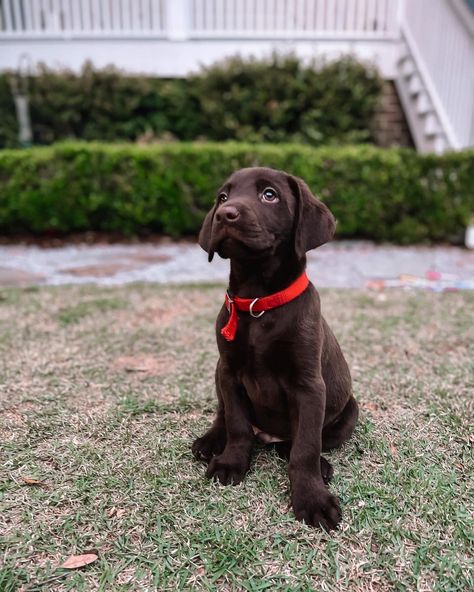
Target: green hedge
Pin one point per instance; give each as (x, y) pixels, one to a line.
(396, 195)
(277, 99)
(284, 100)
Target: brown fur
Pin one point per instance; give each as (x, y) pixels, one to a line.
(284, 373)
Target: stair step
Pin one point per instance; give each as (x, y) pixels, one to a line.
(407, 67)
(423, 104)
(432, 127)
(415, 85)
(440, 144)
(402, 59)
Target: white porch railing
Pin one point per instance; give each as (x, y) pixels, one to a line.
(188, 19)
(82, 18)
(294, 18)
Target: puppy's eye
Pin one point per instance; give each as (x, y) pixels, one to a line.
(270, 195)
(222, 197)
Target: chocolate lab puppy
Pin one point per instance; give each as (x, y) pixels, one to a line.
(281, 376)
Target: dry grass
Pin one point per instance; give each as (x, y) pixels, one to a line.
(103, 390)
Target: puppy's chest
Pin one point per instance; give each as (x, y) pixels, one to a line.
(263, 364)
(263, 376)
(260, 344)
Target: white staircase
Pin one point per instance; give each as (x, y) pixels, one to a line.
(423, 120)
(435, 73)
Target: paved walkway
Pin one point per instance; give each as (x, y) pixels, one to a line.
(340, 264)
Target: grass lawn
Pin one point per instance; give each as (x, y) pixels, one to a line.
(103, 390)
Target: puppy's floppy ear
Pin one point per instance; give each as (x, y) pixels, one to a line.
(206, 233)
(314, 223)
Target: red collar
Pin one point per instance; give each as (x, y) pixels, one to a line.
(260, 305)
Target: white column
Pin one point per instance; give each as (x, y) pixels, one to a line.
(178, 19)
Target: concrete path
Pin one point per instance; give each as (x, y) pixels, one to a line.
(344, 264)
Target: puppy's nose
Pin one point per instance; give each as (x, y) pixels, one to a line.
(227, 214)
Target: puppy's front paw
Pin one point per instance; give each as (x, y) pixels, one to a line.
(227, 470)
(316, 506)
(212, 443)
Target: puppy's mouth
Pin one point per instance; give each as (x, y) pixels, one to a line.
(231, 244)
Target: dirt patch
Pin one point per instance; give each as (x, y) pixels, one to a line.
(141, 257)
(145, 364)
(137, 260)
(165, 311)
(98, 271)
(160, 315)
(17, 278)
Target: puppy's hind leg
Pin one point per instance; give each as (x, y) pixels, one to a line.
(341, 429)
(327, 471)
(283, 450)
(212, 442)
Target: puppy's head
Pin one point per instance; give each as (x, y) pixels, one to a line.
(258, 209)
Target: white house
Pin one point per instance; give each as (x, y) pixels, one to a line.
(425, 46)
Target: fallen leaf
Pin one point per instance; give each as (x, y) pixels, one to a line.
(77, 561)
(145, 364)
(32, 481)
(393, 450)
(371, 406)
(118, 512)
